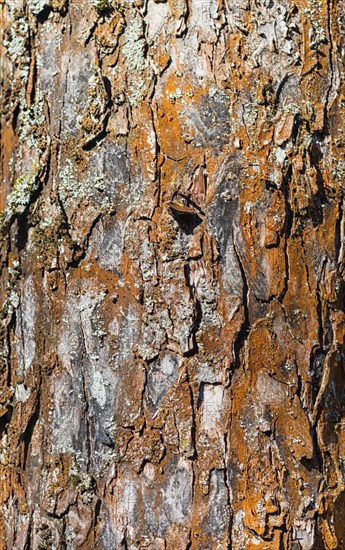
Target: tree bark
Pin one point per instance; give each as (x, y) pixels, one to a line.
(172, 262)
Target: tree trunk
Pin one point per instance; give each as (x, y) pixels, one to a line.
(172, 325)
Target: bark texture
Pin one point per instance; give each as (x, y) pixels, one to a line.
(172, 375)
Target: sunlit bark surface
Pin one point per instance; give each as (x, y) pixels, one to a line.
(172, 245)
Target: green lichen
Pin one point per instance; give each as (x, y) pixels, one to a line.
(338, 171)
(250, 114)
(103, 7)
(22, 192)
(46, 242)
(18, 199)
(83, 483)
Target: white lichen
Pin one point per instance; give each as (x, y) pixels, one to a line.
(12, 302)
(134, 46)
(37, 6)
(73, 190)
(17, 40)
(30, 119)
(177, 94)
(21, 393)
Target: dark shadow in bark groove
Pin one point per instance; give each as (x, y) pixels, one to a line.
(5, 420)
(196, 324)
(243, 333)
(337, 238)
(23, 223)
(317, 359)
(94, 141)
(15, 115)
(187, 222)
(339, 524)
(27, 435)
(43, 15)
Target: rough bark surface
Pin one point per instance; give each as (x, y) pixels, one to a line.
(172, 371)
